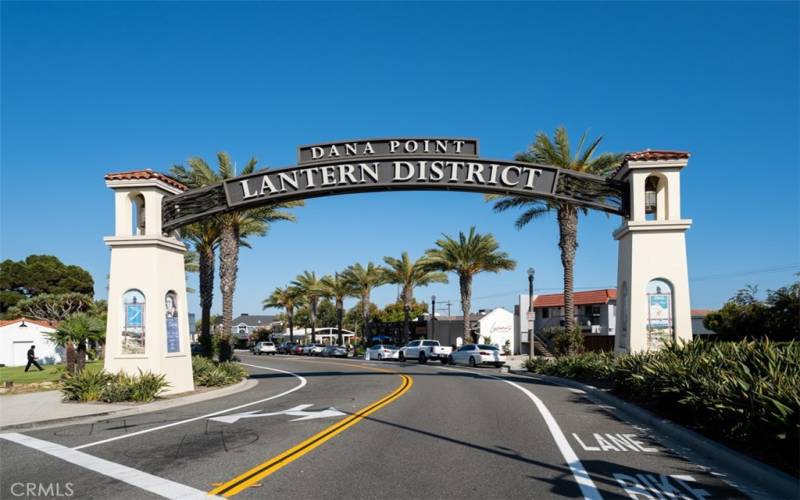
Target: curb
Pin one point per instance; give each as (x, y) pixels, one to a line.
(752, 477)
(164, 404)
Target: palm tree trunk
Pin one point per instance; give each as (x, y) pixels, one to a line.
(80, 357)
(290, 317)
(465, 284)
(365, 314)
(228, 267)
(313, 307)
(206, 264)
(568, 242)
(339, 312)
(71, 358)
(408, 296)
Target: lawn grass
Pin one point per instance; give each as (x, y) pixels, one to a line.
(51, 373)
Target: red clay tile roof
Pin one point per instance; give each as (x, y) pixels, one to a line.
(145, 174)
(580, 298)
(40, 322)
(701, 312)
(656, 154)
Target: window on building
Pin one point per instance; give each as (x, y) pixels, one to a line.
(546, 312)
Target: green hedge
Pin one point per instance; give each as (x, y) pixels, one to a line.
(744, 392)
(208, 373)
(99, 385)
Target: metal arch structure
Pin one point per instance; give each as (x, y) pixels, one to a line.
(398, 164)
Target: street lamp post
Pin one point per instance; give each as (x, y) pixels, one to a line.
(433, 316)
(531, 317)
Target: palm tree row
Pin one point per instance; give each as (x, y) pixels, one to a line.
(466, 256)
(227, 233)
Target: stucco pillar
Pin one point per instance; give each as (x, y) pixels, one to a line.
(148, 322)
(653, 303)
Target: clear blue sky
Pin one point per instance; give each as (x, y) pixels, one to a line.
(101, 87)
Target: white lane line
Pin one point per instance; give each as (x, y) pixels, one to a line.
(302, 384)
(148, 482)
(585, 482)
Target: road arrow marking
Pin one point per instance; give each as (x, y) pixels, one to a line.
(297, 411)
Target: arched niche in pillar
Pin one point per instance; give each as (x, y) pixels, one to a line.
(137, 213)
(133, 327)
(660, 313)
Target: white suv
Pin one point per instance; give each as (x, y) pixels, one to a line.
(266, 348)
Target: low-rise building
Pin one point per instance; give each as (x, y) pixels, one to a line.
(698, 328)
(18, 335)
(595, 313)
(495, 326)
(245, 325)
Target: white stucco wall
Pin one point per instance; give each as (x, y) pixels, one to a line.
(499, 325)
(15, 340)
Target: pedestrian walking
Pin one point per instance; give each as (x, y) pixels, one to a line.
(32, 359)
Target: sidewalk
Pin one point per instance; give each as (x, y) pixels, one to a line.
(42, 409)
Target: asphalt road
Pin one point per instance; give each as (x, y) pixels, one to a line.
(360, 430)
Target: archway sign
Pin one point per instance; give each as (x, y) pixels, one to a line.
(151, 332)
(444, 164)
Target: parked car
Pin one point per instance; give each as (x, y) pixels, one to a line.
(423, 350)
(298, 349)
(286, 347)
(334, 351)
(315, 349)
(266, 348)
(478, 354)
(382, 351)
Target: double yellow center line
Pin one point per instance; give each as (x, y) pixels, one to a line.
(263, 470)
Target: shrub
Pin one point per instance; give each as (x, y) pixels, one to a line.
(566, 343)
(210, 374)
(586, 366)
(146, 386)
(747, 393)
(99, 385)
(117, 391)
(84, 386)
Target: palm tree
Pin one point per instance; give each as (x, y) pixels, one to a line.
(558, 153)
(232, 224)
(204, 237)
(363, 280)
(286, 298)
(76, 331)
(467, 256)
(409, 275)
(311, 289)
(338, 289)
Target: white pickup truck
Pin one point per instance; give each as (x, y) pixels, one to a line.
(423, 350)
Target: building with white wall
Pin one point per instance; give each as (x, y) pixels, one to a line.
(496, 324)
(18, 335)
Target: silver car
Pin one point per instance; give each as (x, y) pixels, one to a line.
(382, 351)
(334, 351)
(478, 354)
